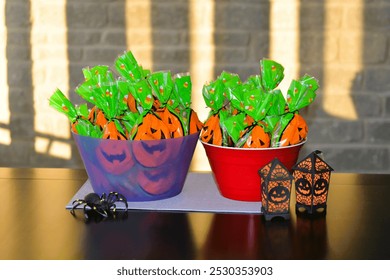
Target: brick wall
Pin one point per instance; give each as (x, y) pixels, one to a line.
(345, 44)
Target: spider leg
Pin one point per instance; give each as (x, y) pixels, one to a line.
(117, 197)
(100, 211)
(86, 211)
(77, 203)
(103, 197)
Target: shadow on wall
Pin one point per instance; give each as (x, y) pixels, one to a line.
(359, 141)
(96, 34)
(19, 79)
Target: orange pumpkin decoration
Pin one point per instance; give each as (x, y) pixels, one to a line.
(131, 103)
(257, 138)
(115, 156)
(96, 116)
(156, 104)
(156, 181)
(295, 132)
(156, 152)
(195, 124)
(152, 128)
(111, 132)
(172, 122)
(211, 132)
(92, 114)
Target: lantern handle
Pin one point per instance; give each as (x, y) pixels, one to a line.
(319, 153)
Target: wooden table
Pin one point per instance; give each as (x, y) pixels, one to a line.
(35, 225)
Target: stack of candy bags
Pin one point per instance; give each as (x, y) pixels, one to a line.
(254, 113)
(137, 105)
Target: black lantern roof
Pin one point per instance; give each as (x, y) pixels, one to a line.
(313, 163)
(275, 170)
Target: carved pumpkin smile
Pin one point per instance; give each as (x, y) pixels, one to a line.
(156, 180)
(279, 194)
(115, 157)
(320, 187)
(303, 187)
(154, 153)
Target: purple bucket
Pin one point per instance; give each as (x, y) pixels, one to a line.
(139, 170)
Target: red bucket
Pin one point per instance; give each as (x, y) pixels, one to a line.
(235, 170)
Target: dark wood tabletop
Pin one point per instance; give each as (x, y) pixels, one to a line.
(34, 224)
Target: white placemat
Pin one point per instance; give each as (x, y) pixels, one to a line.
(199, 194)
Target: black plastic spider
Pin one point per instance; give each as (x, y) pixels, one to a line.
(103, 205)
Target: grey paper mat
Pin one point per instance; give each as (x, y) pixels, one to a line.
(199, 194)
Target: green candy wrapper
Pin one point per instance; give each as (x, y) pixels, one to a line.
(234, 126)
(301, 93)
(128, 67)
(120, 105)
(181, 91)
(62, 104)
(257, 104)
(130, 121)
(271, 74)
(255, 113)
(142, 92)
(82, 110)
(213, 95)
(86, 128)
(254, 81)
(279, 128)
(162, 85)
(278, 103)
(230, 80)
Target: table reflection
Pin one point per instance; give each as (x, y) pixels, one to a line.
(251, 237)
(311, 238)
(233, 236)
(140, 235)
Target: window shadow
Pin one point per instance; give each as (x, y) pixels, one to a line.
(19, 78)
(239, 41)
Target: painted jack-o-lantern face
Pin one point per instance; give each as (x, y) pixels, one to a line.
(279, 194)
(195, 124)
(152, 128)
(156, 180)
(303, 187)
(110, 131)
(114, 156)
(172, 122)
(295, 132)
(320, 187)
(155, 152)
(258, 138)
(211, 132)
(97, 117)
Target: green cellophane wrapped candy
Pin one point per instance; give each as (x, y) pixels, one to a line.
(121, 107)
(271, 74)
(301, 93)
(255, 113)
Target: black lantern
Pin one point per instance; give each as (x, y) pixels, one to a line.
(276, 182)
(312, 177)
